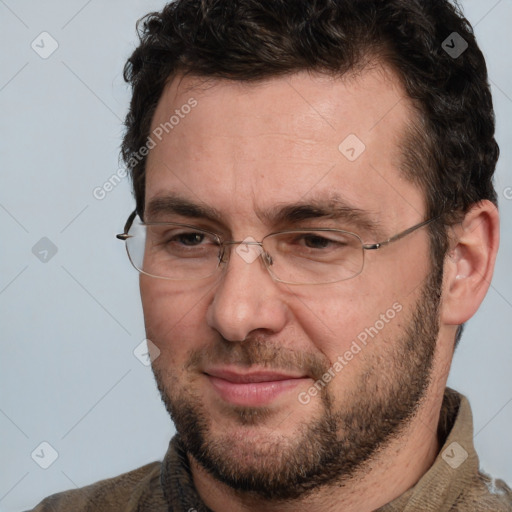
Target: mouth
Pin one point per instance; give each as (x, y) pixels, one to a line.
(252, 388)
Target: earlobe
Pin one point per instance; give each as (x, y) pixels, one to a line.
(469, 264)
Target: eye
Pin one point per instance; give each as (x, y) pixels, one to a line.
(317, 246)
(181, 242)
(319, 241)
(189, 239)
(314, 241)
(184, 240)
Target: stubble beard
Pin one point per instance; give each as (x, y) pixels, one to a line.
(330, 449)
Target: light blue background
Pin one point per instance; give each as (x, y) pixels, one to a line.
(69, 326)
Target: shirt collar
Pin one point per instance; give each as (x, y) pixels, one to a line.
(455, 466)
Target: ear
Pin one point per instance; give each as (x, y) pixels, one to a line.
(469, 264)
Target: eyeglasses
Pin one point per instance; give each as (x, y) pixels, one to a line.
(182, 252)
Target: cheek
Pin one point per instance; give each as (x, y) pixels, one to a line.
(334, 321)
(173, 317)
(325, 319)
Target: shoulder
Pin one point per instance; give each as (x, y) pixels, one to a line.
(474, 490)
(485, 494)
(137, 490)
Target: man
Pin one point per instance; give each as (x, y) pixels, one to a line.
(315, 221)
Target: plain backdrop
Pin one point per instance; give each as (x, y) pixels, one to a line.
(70, 310)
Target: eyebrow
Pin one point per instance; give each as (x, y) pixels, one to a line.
(331, 207)
(177, 205)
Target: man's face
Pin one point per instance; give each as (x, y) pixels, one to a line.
(247, 151)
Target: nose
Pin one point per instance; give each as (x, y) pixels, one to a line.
(246, 298)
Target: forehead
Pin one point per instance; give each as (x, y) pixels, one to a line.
(245, 147)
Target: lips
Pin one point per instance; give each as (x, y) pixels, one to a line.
(253, 388)
(255, 376)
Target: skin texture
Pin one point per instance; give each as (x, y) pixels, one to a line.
(243, 150)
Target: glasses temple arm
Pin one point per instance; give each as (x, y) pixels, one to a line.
(400, 235)
(127, 226)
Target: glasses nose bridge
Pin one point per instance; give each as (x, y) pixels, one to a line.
(222, 253)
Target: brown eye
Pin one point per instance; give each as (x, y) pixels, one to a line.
(316, 242)
(189, 239)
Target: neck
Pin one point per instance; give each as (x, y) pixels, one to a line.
(395, 469)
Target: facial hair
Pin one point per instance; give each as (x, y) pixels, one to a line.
(329, 449)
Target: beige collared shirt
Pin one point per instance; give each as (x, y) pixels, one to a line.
(454, 482)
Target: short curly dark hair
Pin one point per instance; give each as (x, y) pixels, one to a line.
(449, 150)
